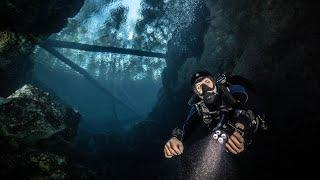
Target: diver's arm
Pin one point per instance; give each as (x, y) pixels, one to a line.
(242, 121)
(236, 142)
(184, 133)
(243, 114)
(175, 146)
(242, 135)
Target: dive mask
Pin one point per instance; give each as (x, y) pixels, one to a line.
(208, 97)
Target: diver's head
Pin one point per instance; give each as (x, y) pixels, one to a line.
(203, 85)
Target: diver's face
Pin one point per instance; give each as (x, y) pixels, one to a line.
(204, 82)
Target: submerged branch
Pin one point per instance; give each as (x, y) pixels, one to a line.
(95, 48)
(85, 74)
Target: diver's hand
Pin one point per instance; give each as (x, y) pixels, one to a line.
(173, 147)
(235, 143)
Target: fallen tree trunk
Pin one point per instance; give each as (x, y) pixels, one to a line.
(95, 48)
(85, 74)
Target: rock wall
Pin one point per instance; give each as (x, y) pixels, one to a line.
(37, 16)
(274, 44)
(35, 131)
(23, 24)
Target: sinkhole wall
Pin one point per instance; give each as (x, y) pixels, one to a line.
(23, 24)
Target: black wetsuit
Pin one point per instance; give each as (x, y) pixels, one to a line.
(194, 128)
(200, 149)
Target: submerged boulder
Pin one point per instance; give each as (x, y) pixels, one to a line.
(30, 115)
(33, 127)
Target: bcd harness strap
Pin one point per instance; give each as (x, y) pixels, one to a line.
(217, 116)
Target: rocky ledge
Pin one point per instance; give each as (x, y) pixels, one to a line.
(34, 131)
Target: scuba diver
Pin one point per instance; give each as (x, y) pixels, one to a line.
(218, 108)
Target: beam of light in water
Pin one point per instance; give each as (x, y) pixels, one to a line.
(134, 14)
(209, 161)
(94, 24)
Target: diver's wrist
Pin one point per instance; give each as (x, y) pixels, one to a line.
(177, 133)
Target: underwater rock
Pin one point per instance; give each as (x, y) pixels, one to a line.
(32, 125)
(15, 65)
(30, 115)
(23, 25)
(51, 164)
(7, 39)
(33, 164)
(14, 42)
(14, 72)
(32, 16)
